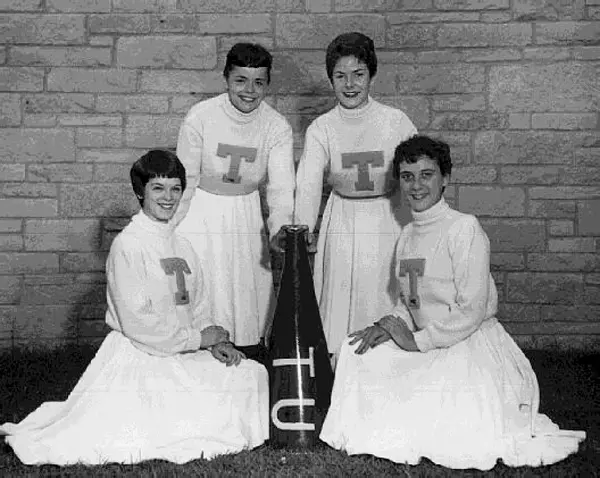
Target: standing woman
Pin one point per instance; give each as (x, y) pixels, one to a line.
(230, 145)
(353, 146)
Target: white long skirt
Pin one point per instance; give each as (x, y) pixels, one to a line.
(130, 406)
(353, 272)
(228, 235)
(465, 406)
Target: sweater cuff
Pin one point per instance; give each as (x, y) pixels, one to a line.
(195, 339)
(424, 340)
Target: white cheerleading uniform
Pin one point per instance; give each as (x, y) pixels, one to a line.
(149, 393)
(354, 151)
(228, 155)
(469, 396)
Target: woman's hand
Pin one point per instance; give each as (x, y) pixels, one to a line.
(399, 332)
(226, 353)
(371, 337)
(212, 335)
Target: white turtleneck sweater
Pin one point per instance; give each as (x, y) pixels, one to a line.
(216, 140)
(354, 149)
(456, 292)
(155, 288)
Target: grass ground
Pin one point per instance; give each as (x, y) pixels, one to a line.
(570, 391)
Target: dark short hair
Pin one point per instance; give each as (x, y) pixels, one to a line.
(156, 163)
(251, 55)
(410, 150)
(351, 44)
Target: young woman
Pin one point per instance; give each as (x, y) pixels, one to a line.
(154, 389)
(230, 145)
(352, 146)
(439, 377)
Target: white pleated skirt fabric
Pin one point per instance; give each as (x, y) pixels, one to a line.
(462, 407)
(130, 406)
(353, 271)
(228, 234)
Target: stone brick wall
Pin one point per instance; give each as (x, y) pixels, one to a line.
(87, 85)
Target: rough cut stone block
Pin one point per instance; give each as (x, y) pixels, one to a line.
(62, 235)
(530, 174)
(218, 6)
(491, 54)
(586, 53)
(380, 5)
(10, 288)
(482, 35)
(11, 242)
(10, 109)
(466, 102)
(412, 36)
(473, 174)
(535, 10)
(98, 200)
(76, 293)
(568, 313)
(96, 81)
(492, 201)
(507, 261)
(21, 78)
(192, 82)
(111, 173)
(139, 6)
(28, 263)
(471, 4)
(152, 131)
(579, 175)
(468, 121)
(509, 235)
(396, 18)
(441, 79)
(552, 209)
(47, 28)
(572, 244)
(565, 261)
(132, 104)
(234, 24)
(415, 107)
(319, 6)
(89, 120)
(62, 173)
(7, 322)
(10, 225)
(316, 31)
(43, 120)
(12, 172)
(24, 207)
(36, 145)
(588, 217)
(522, 313)
(76, 6)
(545, 288)
(167, 52)
(568, 121)
(567, 33)
(564, 192)
(58, 103)
(559, 227)
(546, 53)
(127, 156)
(137, 24)
(525, 147)
(32, 190)
(300, 73)
(20, 5)
(564, 86)
(99, 137)
(84, 261)
(60, 56)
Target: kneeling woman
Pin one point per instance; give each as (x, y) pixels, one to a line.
(166, 382)
(439, 377)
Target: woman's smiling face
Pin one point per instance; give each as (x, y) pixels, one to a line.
(422, 183)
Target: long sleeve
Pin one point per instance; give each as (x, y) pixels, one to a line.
(144, 314)
(470, 255)
(281, 181)
(309, 177)
(189, 152)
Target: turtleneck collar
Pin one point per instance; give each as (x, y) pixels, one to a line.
(435, 212)
(162, 229)
(235, 114)
(357, 112)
